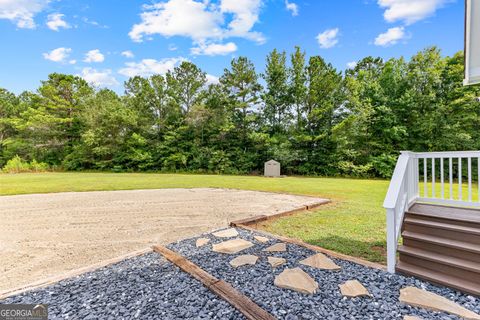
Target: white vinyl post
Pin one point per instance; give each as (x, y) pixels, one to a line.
(391, 241)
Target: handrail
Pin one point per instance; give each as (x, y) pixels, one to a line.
(436, 167)
(391, 198)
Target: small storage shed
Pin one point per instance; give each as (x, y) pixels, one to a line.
(272, 169)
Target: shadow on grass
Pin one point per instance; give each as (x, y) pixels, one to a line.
(374, 251)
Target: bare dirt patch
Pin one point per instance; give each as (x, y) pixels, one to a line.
(42, 235)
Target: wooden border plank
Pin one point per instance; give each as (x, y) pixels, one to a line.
(223, 289)
(316, 248)
(261, 218)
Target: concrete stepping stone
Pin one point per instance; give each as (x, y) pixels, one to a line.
(275, 262)
(353, 288)
(244, 260)
(320, 261)
(232, 246)
(201, 242)
(296, 279)
(227, 233)
(428, 300)
(277, 247)
(261, 239)
(411, 318)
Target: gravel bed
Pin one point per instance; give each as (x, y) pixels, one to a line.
(257, 283)
(144, 287)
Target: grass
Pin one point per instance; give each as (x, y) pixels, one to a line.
(353, 224)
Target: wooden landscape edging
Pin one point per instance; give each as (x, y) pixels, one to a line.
(263, 217)
(316, 248)
(223, 289)
(69, 274)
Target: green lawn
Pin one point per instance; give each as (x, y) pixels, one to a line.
(353, 224)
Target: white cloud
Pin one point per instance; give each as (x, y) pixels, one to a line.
(351, 65)
(292, 7)
(328, 38)
(73, 61)
(99, 78)
(245, 15)
(187, 18)
(22, 12)
(199, 20)
(211, 79)
(409, 11)
(128, 54)
(148, 67)
(55, 22)
(172, 47)
(58, 55)
(215, 49)
(94, 56)
(391, 37)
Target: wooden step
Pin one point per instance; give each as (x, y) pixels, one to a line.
(448, 280)
(439, 258)
(443, 225)
(451, 252)
(444, 229)
(462, 216)
(461, 268)
(443, 242)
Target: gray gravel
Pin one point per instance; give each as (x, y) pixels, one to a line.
(148, 287)
(145, 287)
(257, 283)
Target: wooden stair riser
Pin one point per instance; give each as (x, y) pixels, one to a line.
(447, 251)
(447, 234)
(471, 276)
(439, 278)
(443, 220)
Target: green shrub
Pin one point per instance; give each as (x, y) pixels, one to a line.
(17, 165)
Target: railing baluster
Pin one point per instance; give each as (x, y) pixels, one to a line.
(450, 177)
(425, 191)
(460, 179)
(469, 179)
(433, 177)
(442, 178)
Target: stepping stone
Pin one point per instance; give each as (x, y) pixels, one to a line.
(228, 233)
(243, 260)
(261, 239)
(275, 262)
(424, 299)
(201, 242)
(320, 261)
(353, 288)
(277, 247)
(296, 279)
(411, 318)
(232, 246)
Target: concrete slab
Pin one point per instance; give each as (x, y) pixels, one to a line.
(353, 288)
(296, 279)
(232, 246)
(244, 260)
(320, 261)
(277, 247)
(428, 300)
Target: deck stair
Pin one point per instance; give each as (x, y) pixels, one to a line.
(442, 244)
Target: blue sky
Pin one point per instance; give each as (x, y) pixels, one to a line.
(106, 41)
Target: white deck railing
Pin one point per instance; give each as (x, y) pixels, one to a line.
(443, 175)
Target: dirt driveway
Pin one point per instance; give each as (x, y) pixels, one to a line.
(42, 235)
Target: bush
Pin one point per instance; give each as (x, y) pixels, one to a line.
(17, 165)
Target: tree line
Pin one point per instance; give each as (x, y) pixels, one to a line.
(302, 112)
